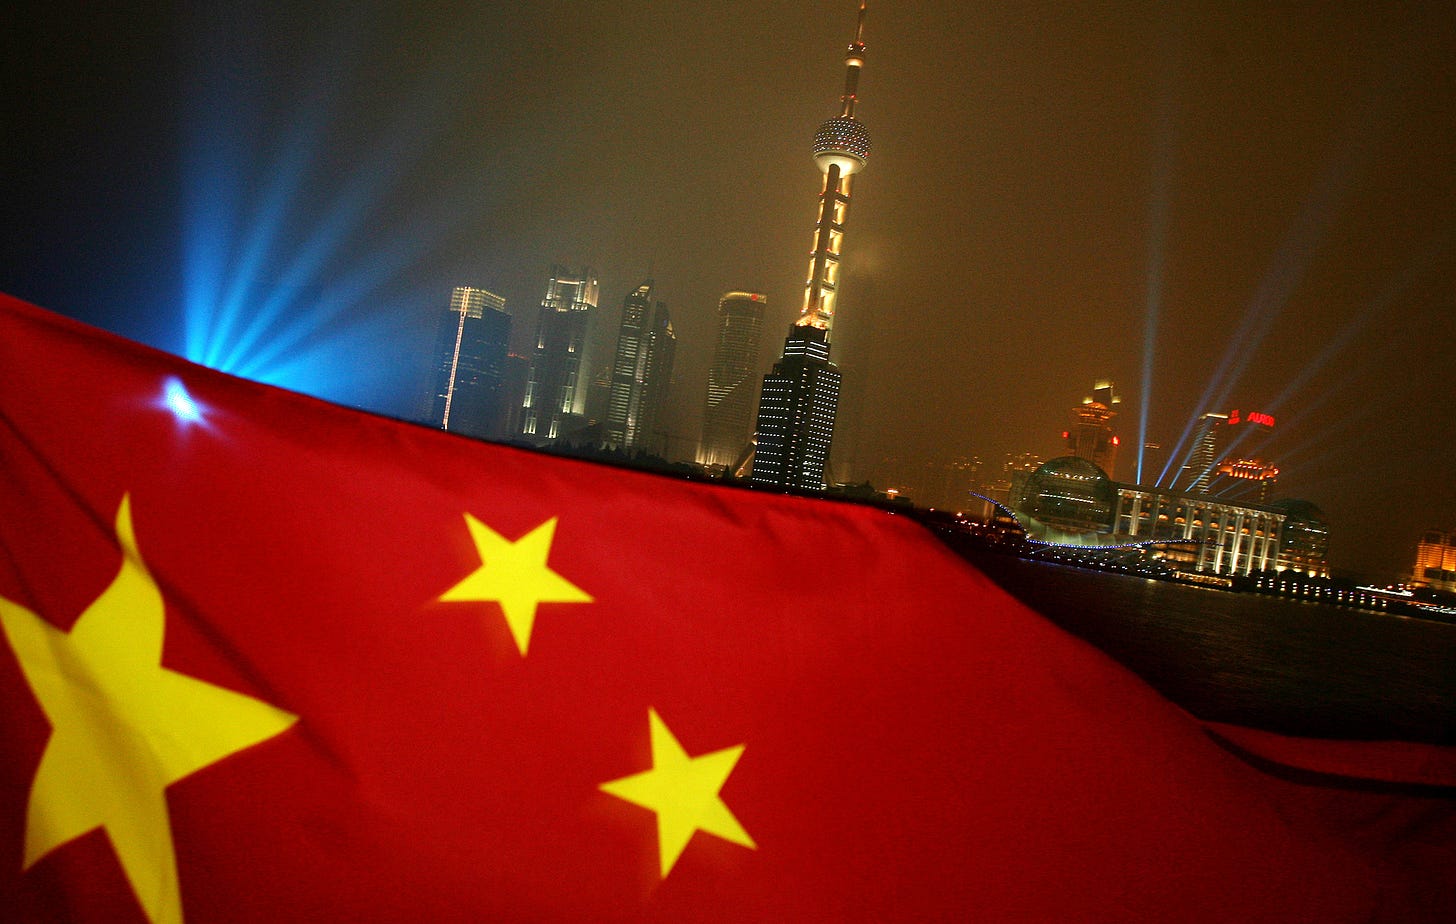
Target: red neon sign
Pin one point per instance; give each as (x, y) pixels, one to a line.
(1254, 417)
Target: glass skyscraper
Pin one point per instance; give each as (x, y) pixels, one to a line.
(732, 379)
(556, 390)
(641, 372)
(475, 333)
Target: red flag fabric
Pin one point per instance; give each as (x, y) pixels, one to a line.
(271, 659)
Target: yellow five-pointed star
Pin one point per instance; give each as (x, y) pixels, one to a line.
(123, 727)
(515, 575)
(683, 791)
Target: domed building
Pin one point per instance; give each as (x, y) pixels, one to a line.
(1072, 497)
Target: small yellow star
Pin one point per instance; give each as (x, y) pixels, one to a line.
(123, 728)
(683, 791)
(515, 575)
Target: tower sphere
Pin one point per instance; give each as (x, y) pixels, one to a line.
(842, 140)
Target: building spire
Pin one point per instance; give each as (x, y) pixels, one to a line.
(841, 147)
(853, 60)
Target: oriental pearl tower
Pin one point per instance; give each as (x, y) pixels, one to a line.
(841, 148)
(800, 397)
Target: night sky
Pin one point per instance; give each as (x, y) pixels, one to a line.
(1259, 196)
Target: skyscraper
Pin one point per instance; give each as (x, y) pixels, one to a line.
(732, 378)
(641, 371)
(651, 434)
(1090, 435)
(801, 395)
(1216, 441)
(475, 332)
(796, 414)
(1203, 456)
(556, 391)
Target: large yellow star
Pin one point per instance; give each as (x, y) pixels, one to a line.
(515, 575)
(683, 791)
(123, 727)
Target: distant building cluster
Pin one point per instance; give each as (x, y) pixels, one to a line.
(553, 394)
(1209, 503)
(774, 429)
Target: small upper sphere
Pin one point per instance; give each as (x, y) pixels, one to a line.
(844, 141)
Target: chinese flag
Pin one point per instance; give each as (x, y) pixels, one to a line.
(270, 659)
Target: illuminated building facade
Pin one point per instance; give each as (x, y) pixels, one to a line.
(1436, 560)
(1256, 472)
(556, 389)
(641, 370)
(1070, 501)
(805, 384)
(796, 414)
(1232, 538)
(475, 333)
(1091, 435)
(732, 379)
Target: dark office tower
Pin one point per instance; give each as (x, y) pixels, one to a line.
(629, 367)
(796, 414)
(1231, 445)
(517, 372)
(805, 384)
(1198, 470)
(1090, 435)
(475, 332)
(732, 379)
(556, 390)
(656, 383)
(641, 370)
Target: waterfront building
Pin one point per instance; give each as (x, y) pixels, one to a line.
(1436, 560)
(1070, 501)
(732, 379)
(474, 336)
(1091, 435)
(801, 395)
(641, 370)
(554, 405)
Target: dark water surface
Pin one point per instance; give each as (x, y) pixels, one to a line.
(1289, 666)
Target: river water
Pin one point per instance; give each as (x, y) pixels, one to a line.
(1295, 667)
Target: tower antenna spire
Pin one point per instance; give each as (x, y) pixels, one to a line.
(841, 147)
(800, 397)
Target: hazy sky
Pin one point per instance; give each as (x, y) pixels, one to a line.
(1272, 183)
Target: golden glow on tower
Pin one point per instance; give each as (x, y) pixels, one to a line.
(841, 149)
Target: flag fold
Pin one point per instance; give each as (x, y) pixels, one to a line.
(266, 658)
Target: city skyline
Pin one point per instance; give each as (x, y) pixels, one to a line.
(1254, 197)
